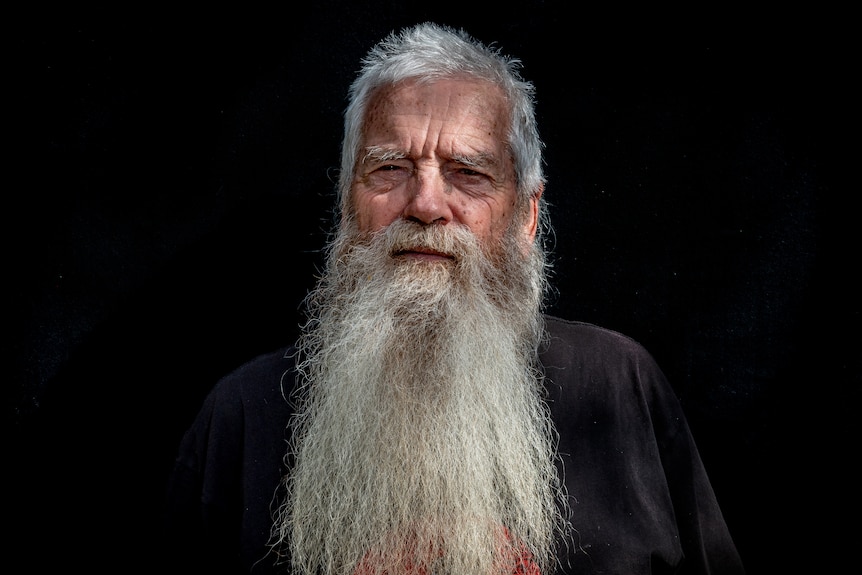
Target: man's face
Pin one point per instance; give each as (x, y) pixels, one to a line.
(437, 154)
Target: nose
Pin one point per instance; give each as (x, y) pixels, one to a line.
(429, 198)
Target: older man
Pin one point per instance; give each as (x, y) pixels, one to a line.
(431, 418)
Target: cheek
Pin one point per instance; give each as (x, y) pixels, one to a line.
(375, 212)
(486, 222)
(502, 218)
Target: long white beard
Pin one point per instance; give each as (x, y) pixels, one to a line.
(421, 443)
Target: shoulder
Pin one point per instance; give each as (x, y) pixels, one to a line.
(252, 393)
(249, 402)
(264, 375)
(596, 374)
(591, 361)
(567, 341)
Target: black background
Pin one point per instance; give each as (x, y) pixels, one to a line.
(170, 181)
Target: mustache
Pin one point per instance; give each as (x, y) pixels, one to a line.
(454, 241)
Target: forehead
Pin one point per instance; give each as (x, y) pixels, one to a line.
(451, 111)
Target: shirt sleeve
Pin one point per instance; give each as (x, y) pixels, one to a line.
(227, 470)
(640, 498)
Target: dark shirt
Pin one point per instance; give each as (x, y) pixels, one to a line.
(640, 497)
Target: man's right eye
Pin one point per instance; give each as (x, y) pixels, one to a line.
(388, 174)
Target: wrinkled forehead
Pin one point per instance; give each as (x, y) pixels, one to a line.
(457, 101)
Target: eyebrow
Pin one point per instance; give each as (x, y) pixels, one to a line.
(479, 160)
(381, 154)
(384, 154)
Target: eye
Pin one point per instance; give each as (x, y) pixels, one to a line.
(469, 175)
(471, 178)
(469, 172)
(388, 174)
(390, 171)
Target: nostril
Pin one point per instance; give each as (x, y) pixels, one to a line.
(440, 221)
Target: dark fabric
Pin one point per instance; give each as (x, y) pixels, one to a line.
(641, 500)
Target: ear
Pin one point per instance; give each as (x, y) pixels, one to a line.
(531, 223)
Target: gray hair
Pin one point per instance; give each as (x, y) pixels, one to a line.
(430, 52)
